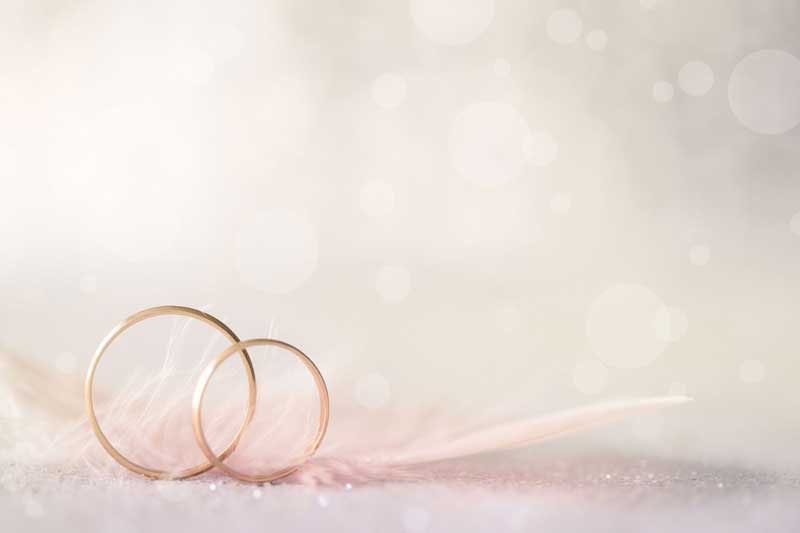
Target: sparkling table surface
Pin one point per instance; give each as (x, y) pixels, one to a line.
(598, 494)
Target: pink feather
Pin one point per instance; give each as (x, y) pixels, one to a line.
(43, 422)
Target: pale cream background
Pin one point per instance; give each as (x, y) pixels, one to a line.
(497, 207)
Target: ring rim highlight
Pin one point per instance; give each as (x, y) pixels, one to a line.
(200, 392)
(127, 324)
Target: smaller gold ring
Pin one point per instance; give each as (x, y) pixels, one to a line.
(200, 392)
(116, 332)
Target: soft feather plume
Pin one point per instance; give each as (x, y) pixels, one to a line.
(42, 422)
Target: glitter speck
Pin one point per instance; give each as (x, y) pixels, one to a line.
(348, 486)
(257, 494)
(212, 487)
(322, 500)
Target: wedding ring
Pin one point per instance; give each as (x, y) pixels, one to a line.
(135, 319)
(200, 392)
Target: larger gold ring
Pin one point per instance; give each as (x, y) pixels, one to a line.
(200, 391)
(116, 332)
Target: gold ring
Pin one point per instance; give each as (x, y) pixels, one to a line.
(116, 332)
(200, 392)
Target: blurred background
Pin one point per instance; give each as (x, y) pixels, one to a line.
(498, 208)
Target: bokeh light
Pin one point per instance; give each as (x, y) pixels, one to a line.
(764, 91)
(663, 91)
(597, 40)
(452, 23)
(695, 78)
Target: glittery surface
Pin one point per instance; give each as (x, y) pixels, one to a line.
(595, 494)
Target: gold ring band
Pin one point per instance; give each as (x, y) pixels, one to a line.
(116, 332)
(199, 395)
